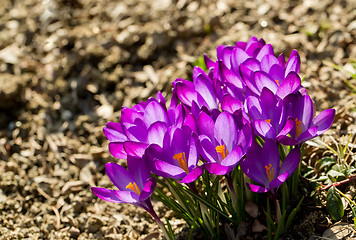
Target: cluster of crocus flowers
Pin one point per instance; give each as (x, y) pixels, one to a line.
(212, 124)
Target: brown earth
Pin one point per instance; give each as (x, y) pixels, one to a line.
(68, 66)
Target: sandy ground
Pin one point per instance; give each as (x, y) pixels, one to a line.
(68, 66)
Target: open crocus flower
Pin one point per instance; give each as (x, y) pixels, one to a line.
(222, 143)
(268, 115)
(301, 109)
(263, 166)
(140, 126)
(201, 94)
(178, 155)
(271, 73)
(135, 185)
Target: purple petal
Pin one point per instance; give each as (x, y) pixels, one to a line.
(225, 130)
(231, 104)
(106, 194)
(268, 61)
(263, 80)
(230, 76)
(129, 115)
(154, 113)
(217, 169)
(208, 62)
(233, 158)
(127, 196)
(265, 50)
(117, 150)
(264, 129)
(156, 133)
(275, 183)
(293, 63)
(286, 129)
(148, 189)
(290, 84)
(324, 120)
(254, 108)
(186, 94)
(238, 56)
(208, 151)
(194, 174)
(276, 72)
(291, 162)
(205, 125)
(118, 175)
(255, 188)
(166, 169)
(136, 149)
(114, 132)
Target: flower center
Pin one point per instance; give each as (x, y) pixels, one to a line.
(270, 172)
(298, 127)
(133, 186)
(268, 120)
(182, 161)
(221, 149)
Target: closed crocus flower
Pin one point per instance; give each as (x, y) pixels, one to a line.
(203, 93)
(135, 186)
(268, 115)
(222, 143)
(301, 109)
(263, 165)
(141, 125)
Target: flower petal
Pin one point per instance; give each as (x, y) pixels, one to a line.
(118, 175)
(166, 169)
(217, 169)
(289, 85)
(117, 150)
(256, 188)
(324, 120)
(148, 189)
(194, 174)
(264, 129)
(106, 194)
(127, 196)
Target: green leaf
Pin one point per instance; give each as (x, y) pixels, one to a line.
(308, 171)
(336, 175)
(334, 204)
(326, 162)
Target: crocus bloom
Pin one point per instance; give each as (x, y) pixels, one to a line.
(263, 166)
(135, 185)
(301, 109)
(178, 155)
(202, 93)
(140, 126)
(222, 143)
(268, 115)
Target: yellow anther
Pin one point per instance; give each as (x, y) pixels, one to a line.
(268, 120)
(133, 186)
(221, 149)
(298, 127)
(270, 172)
(277, 81)
(182, 161)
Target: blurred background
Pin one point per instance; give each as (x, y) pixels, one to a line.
(68, 66)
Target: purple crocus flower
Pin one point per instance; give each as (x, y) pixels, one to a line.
(141, 125)
(177, 156)
(268, 115)
(301, 109)
(262, 164)
(201, 94)
(135, 186)
(222, 143)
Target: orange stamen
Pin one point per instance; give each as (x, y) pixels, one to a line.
(277, 81)
(133, 187)
(182, 161)
(298, 127)
(268, 120)
(270, 172)
(221, 149)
